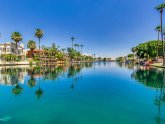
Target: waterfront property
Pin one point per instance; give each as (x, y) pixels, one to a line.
(12, 53)
(46, 57)
(9, 48)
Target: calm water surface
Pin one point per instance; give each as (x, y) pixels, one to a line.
(91, 93)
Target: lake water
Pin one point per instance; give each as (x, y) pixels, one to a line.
(90, 93)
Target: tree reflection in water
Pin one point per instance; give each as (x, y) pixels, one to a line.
(32, 80)
(15, 76)
(17, 90)
(75, 72)
(39, 91)
(154, 78)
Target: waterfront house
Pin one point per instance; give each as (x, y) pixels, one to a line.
(10, 48)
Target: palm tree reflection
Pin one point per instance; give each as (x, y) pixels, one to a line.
(75, 72)
(17, 89)
(16, 76)
(39, 91)
(32, 81)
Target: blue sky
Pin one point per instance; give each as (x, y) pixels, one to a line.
(106, 27)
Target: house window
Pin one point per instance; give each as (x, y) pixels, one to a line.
(4, 50)
(12, 50)
(8, 49)
(19, 51)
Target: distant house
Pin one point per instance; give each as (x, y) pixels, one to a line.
(10, 48)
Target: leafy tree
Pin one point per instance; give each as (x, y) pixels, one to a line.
(120, 59)
(16, 37)
(148, 50)
(31, 45)
(71, 53)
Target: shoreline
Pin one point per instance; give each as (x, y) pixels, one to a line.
(158, 65)
(35, 63)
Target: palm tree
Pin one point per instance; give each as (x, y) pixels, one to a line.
(72, 39)
(31, 45)
(78, 47)
(160, 8)
(81, 46)
(75, 45)
(39, 34)
(16, 37)
(158, 30)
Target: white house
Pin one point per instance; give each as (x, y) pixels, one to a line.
(10, 48)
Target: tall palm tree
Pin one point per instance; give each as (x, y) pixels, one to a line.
(78, 46)
(72, 39)
(94, 55)
(16, 37)
(161, 8)
(31, 45)
(158, 30)
(81, 46)
(75, 46)
(39, 34)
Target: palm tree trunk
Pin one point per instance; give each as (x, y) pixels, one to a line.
(158, 47)
(16, 51)
(161, 19)
(81, 53)
(72, 44)
(39, 53)
(32, 53)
